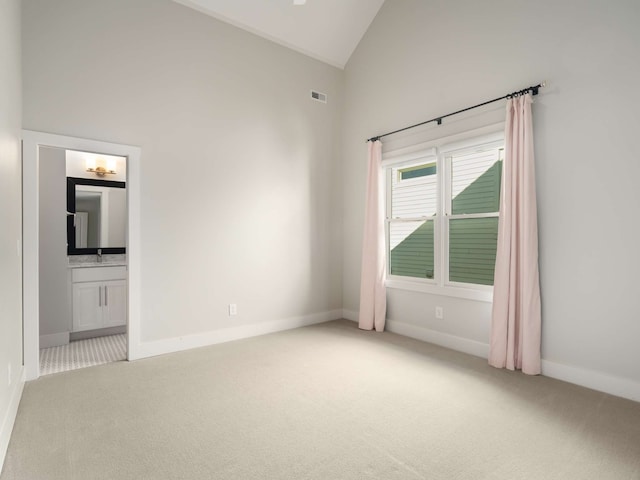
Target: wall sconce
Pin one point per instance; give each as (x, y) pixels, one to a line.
(101, 170)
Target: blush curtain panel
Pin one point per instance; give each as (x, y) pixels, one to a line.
(373, 295)
(516, 317)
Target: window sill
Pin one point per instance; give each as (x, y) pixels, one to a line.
(480, 295)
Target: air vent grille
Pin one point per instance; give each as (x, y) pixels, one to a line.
(318, 96)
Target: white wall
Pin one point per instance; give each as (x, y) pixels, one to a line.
(239, 202)
(10, 219)
(423, 59)
(55, 311)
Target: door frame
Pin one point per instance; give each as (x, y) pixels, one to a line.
(31, 143)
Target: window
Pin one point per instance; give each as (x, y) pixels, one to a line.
(442, 213)
(411, 219)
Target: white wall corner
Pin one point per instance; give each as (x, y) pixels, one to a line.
(620, 387)
(350, 315)
(177, 344)
(54, 340)
(9, 417)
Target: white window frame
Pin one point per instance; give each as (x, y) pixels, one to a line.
(440, 150)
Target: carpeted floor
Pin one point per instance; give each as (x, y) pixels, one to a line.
(323, 402)
(83, 353)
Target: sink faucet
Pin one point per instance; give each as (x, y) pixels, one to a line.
(99, 255)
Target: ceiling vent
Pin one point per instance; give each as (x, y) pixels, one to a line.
(319, 97)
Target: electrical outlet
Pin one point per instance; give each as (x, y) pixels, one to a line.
(439, 312)
(233, 309)
(9, 375)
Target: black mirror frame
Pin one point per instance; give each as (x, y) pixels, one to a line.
(71, 208)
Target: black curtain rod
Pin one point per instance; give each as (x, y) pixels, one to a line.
(533, 89)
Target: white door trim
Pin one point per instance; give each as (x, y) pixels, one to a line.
(31, 141)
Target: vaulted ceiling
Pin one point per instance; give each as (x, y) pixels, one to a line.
(328, 30)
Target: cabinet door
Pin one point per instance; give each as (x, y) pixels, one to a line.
(115, 303)
(87, 306)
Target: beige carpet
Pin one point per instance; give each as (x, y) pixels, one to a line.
(323, 402)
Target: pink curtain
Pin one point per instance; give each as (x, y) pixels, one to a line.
(516, 319)
(373, 295)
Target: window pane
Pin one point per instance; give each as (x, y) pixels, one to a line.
(411, 249)
(475, 182)
(472, 250)
(419, 171)
(416, 196)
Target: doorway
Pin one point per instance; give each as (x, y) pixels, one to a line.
(82, 259)
(117, 298)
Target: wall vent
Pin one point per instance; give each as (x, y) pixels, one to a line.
(319, 97)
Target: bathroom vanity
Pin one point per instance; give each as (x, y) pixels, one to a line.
(96, 225)
(98, 296)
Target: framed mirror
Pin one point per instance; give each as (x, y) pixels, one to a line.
(96, 216)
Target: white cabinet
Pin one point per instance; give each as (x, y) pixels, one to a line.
(115, 303)
(99, 297)
(87, 306)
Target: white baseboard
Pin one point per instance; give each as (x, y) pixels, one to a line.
(460, 344)
(9, 417)
(54, 340)
(177, 344)
(447, 340)
(620, 387)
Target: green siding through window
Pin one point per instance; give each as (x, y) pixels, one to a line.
(472, 250)
(472, 242)
(482, 196)
(413, 257)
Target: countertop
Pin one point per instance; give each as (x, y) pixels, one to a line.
(97, 264)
